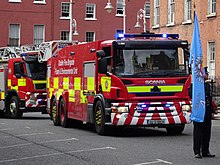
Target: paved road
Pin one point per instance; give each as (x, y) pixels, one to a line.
(34, 140)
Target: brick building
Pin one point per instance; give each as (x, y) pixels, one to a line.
(34, 21)
(176, 16)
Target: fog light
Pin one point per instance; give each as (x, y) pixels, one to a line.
(186, 108)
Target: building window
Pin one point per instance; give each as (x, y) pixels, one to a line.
(39, 1)
(38, 34)
(14, 35)
(90, 36)
(119, 8)
(156, 12)
(65, 35)
(147, 9)
(211, 59)
(170, 11)
(211, 6)
(65, 10)
(187, 10)
(90, 11)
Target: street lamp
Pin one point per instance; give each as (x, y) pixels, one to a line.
(71, 21)
(74, 25)
(109, 9)
(141, 15)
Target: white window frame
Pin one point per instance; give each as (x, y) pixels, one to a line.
(64, 9)
(93, 13)
(14, 0)
(67, 35)
(187, 12)
(42, 36)
(39, 2)
(211, 59)
(211, 8)
(171, 12)
(16, 35)
(93, 33)
(156, 14)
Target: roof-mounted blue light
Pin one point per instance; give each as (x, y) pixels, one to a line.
(164, 35)
(146, 35)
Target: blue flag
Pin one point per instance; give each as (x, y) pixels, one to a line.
(198, 90)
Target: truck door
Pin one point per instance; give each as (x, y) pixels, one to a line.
(17, 79)
(88, 86)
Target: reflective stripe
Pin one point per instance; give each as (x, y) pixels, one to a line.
(167, 88)
(22, 82)
(55, 82)
(133, 89)
(106, 84)
(77, 83)
(39, 81)
(2, 95)
(65, 83)
(71, 95)
(9, 82)
(82, 97)
(48, 82)
(90, 83)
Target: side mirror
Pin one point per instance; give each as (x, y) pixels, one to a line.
(100, 53)
(102, 65)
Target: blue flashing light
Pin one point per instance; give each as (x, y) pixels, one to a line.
(146, 35)
(23, 55)
(167, 105)
(164, 35)
(119, 35)
(143, 106)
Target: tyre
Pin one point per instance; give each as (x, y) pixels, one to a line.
(54, 113)
(64, 121)
(13, 110)
(175, 130)
(99, 115)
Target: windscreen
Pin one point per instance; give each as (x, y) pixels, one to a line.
(150, 62)
(36, 71)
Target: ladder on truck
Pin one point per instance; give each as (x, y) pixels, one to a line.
(51, 48)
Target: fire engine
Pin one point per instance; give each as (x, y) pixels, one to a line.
(23, 78)
(139, 80)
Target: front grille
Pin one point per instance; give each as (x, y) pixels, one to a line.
(40, 86)
(41, 96)
(155, 94)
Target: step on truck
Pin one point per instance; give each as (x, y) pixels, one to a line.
(139, 80)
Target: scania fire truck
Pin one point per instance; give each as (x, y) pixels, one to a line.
(139, 80)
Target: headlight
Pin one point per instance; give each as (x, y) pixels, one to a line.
(32, 99)
(186, 108)
(120, 109)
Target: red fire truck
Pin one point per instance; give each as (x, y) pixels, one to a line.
(141, 80)
(23, 78)
(22, 85)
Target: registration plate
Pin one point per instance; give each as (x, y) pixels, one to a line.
(155, 122)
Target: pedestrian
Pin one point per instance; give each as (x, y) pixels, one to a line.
(202, 130)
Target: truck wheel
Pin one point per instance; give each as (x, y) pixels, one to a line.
(13, 108)
(54, 113)
(175, 130)
(99, 119)
(64, 121)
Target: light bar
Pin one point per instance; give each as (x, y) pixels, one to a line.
(147, 35)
